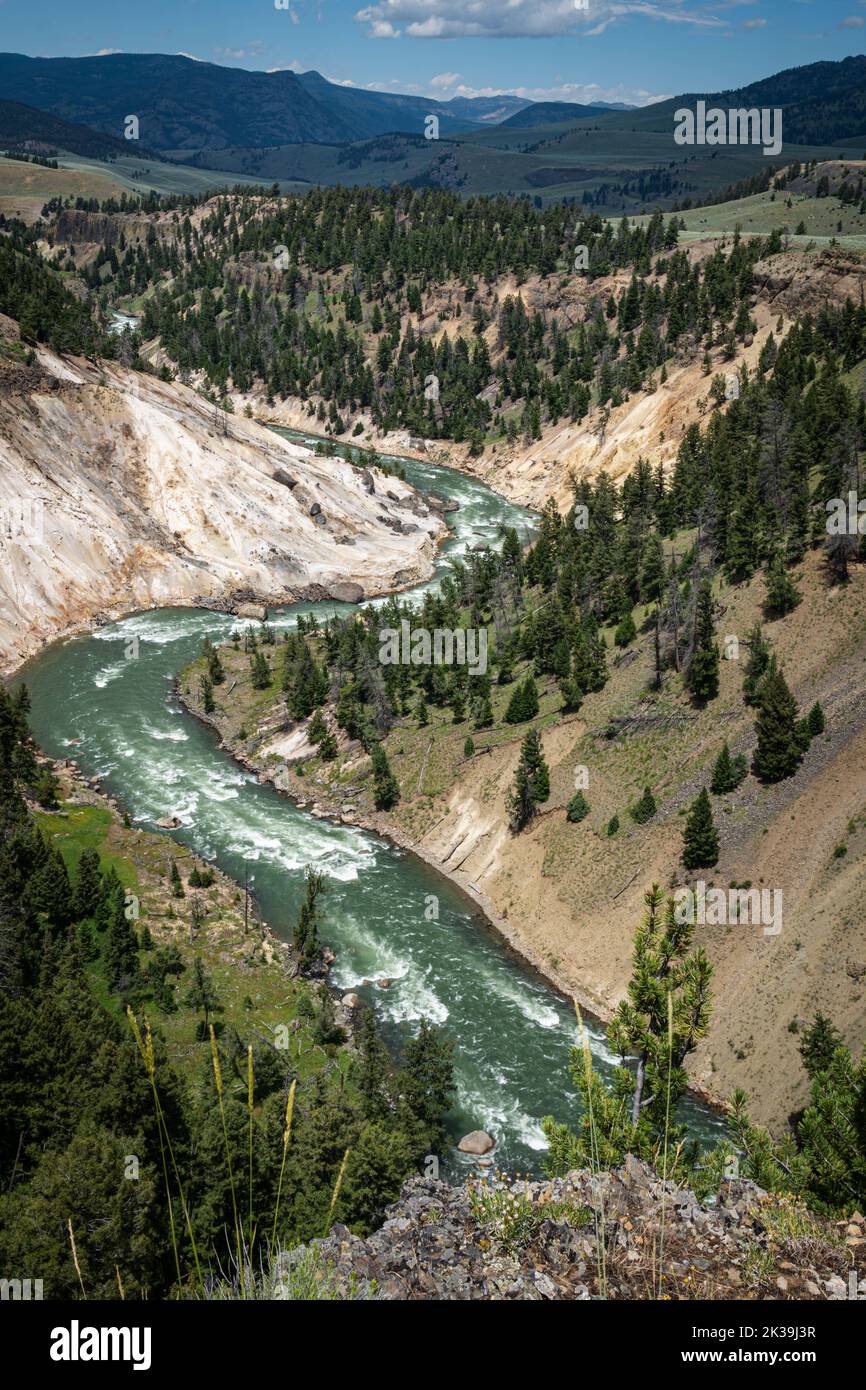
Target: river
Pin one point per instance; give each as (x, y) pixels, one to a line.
(108, 702)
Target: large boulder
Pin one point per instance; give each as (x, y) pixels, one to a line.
(344, 591)
(478, 1142)
(252, 610)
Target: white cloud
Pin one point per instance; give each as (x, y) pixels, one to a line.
(492, 19)
(106, 52)
(852, 21)
(754, 24)
(444, 80)
(194, 56)
(252, 50)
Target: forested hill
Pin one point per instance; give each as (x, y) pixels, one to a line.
(411, 305)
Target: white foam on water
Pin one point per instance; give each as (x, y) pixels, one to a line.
(109, 673)
(165, 735)
(534, 1009)
(411, 999)
(501, 1117)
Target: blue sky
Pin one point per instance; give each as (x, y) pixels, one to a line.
(577, 50)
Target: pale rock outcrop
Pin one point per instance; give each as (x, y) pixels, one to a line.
(120, 492)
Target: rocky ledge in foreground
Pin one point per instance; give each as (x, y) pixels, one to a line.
(543, 1240)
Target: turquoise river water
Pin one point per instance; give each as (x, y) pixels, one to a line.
(119, 718)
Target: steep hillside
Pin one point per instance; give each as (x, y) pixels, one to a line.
(119, 491)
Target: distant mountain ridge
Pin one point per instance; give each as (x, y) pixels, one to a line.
(182, 104)
(24, 128)
(557, 112)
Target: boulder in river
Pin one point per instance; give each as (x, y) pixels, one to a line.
(345, 591)
(478, 1142)
(385, 983)
(351, 1000)
(252, 610)
(169, 823)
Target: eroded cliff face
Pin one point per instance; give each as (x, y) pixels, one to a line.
(119, 491)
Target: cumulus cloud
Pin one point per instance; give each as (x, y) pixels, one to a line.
(491, 19)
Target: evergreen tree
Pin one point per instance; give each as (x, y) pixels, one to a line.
(523, 704)
(819, 1045)
(484, 713)
(728, 772)
(665, 1017)
(206, 694)
(756, 664)
(626, 632)
(202, 996)
(645, 808)
(260, 671)
(175, 881)
(700, 838)
(782, 594)
(779, 751)
(702, 675)
(386, 789)
(815, 720)
(578, 808)
(121, 946)
(88, 885)
(531, 783)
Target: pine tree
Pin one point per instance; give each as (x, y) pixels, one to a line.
(702, 676)
(523, 704)
(664, 1018)
(175, 881)
(782, 593)
(531, 783)
(700, 838)
(386, 790)
(306, 933)
(328, 747)
(779, 749)
(612, 827)
(484, 714)
(728, 772)
(88, 885)
(468, 747)
(818, 1045)
(202, 996)
(121, 946)
(626, 632)
(645, 808)
(317, 728)
(206, 693)
(260, 671)
(815, 720)
(756, 664)
(578, 808)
